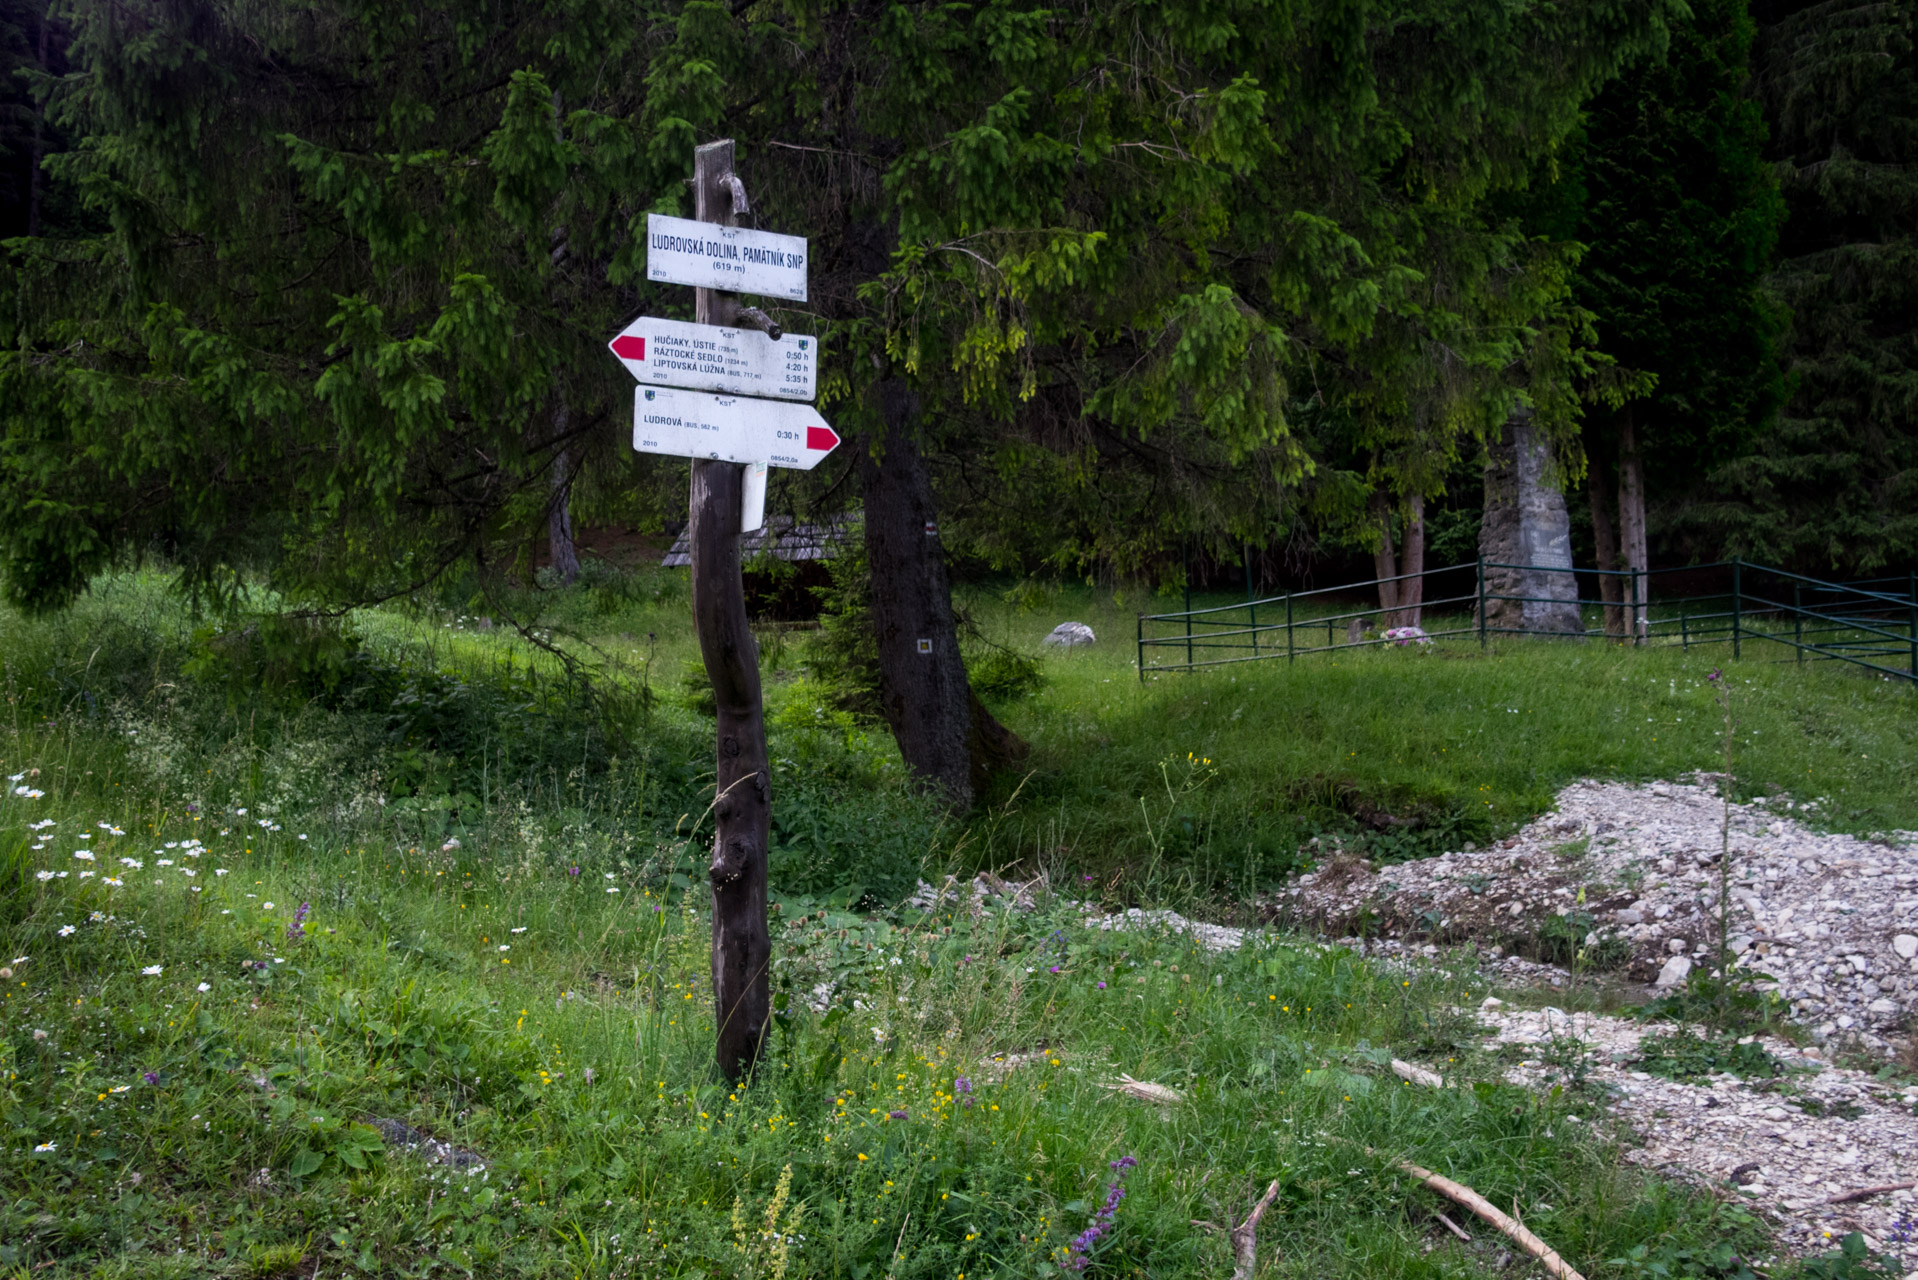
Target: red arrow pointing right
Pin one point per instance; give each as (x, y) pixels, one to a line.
(821, 439)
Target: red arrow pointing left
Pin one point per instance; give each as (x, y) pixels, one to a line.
(629, 346)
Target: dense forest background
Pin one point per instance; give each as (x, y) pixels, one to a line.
(318, 292)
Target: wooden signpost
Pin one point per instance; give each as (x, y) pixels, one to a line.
(731, 439)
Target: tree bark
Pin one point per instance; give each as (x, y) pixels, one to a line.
(742, 804)
(1603, 493)
(922, 677)
(562, 554)
(1385, 559)
(1631, 518)
(1412, 562)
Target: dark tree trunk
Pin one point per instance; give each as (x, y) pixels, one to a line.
(1631, 518)
(742, 805)
(1604, 498)
(922, 678)
(562, 554)
(1385, 561)
(1412, 562)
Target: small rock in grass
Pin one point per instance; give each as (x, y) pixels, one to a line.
(1676, 970)
(1068, 634)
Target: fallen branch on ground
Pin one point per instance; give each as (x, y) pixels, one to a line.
(1866, 1193)
(1245, 1236)
(1146, 1091)
(1460, 1194)
(1418, 1075)
(1452, 1226)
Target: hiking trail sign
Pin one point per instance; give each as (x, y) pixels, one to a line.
(709, 255)
(699, 424)
(707, 357)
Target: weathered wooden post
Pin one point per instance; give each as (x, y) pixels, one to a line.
(732, 393)
(742, 808)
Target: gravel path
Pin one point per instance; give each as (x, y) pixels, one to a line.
(1789, 1144)
(1632, 872)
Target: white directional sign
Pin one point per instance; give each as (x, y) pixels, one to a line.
(709, 256)
(705, 357)
(697, 424)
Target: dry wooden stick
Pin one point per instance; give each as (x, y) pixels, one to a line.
(1866, 1193)
(1452, 1226)
(1460, 1194)
(1417, 1075)
(1245, 1244)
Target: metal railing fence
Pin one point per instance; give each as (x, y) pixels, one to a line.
(1868, 624)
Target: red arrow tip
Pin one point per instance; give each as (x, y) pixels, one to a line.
(821, 439)
(629, 346)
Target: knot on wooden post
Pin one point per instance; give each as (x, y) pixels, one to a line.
(729, 746)
(730, 860)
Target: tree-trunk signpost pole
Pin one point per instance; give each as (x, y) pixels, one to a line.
(731, 438)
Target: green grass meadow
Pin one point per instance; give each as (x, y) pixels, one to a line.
(421, 877)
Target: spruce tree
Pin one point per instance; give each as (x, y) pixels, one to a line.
(1833, 490)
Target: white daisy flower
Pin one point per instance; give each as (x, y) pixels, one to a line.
(66, 931)
(151, 971)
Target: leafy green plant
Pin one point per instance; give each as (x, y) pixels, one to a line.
(1683, 1055)
(1851, 1260)
(327, 1143)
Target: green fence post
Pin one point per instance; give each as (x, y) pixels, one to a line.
(1251, 605)
(1141, 618)
(1289, 654)
(1798, 620)
(1481, 602)
(1684, 632)
(1738, 605)
(1188, 608)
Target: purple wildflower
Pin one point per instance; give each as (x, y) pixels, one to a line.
(1715, 676)
(895, 1115)
(1079, 1252)
(961, 1085)
(1053, 969)
(151, 1077)
(572, 871)
(297, 930)
(1102, 986)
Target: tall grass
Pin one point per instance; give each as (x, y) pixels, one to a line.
(505, 947)
(1220, 776)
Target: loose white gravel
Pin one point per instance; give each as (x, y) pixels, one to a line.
(1760, 1136)
(1832, 918)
